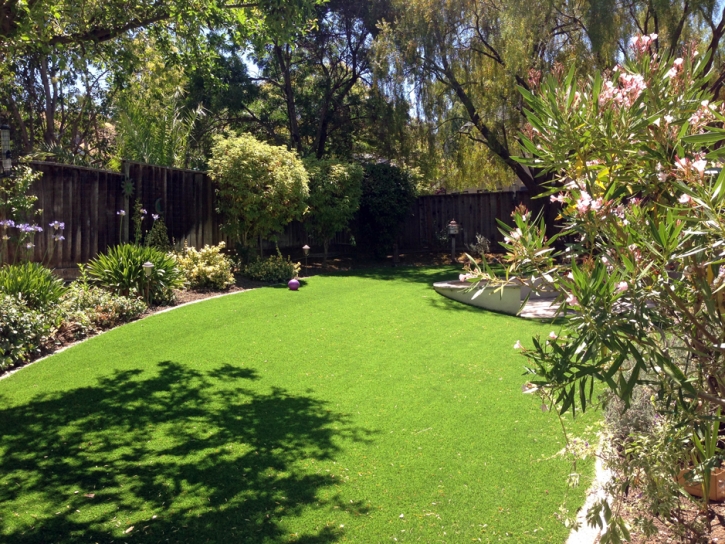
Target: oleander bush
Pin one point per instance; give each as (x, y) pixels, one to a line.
(36, 285)
(120, 270)
(87, 309)
(207, 268)
(23, 331)
(274, 269)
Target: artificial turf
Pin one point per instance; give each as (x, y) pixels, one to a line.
(362, 408)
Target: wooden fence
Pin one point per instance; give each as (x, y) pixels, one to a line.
(88, 200)
(476, 213)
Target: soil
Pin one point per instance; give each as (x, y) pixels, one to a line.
(668, 532)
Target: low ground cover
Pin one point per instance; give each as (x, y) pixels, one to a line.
(362, 408)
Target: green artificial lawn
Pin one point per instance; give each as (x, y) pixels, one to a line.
(362, 408)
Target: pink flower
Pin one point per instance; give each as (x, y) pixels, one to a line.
(622, 286)
(553, 335)
(571, 300)
(700, 166)
(684, 199)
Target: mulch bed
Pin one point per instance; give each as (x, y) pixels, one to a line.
(670, 529)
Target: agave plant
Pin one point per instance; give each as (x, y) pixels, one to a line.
(121, 271)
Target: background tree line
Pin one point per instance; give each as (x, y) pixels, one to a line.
(428, 85)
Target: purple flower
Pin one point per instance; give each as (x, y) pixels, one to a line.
(38, 228)
(7, 223)
(57, 225)
(143, 212)
(155, 216)
(30, 245)
(121, 212)
(59, 238)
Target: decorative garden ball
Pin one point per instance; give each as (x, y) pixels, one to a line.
(293, 284)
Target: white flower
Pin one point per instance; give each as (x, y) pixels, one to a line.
(518, 345)
(571, 300)
(700, 166)
(684, 199)
(668, 119)
(553, 335)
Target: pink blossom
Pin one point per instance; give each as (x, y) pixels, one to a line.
(584, 203)
(684, 199)
(553, 335)
(559, 198)
(622, 286)
(571, 300)
(700, 166)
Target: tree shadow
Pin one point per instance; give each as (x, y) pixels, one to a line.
(414, 274)
(182, 455)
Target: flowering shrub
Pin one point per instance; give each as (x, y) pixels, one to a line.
(33, 283)
(121, 271)
(87, 309)
(22, 331)
(208, 268)
(636, 159)
(274, 269)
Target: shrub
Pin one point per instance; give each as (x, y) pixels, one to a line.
(121, 271)
(22, 331)
(388, 192)
(158, 236)
(260, 187)
(335, 190)
(208, 268)
(642, 262)
(87, 309)
(37, 285)
(274, 269)
(481, 247)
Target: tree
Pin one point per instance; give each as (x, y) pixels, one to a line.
(260, 188)
(60, 60)
(387, 194)
(465, 58)
(323, 82)
(632, 153)
(335, 190)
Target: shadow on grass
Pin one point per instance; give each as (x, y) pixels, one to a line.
(415, 274)
(212, 460)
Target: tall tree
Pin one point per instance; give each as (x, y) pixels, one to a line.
(466, 58)
(54, 54)
(323, 81)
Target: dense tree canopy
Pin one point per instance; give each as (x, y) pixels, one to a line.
(428, 84)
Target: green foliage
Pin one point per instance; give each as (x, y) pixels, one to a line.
(36, 285)
(274, 269)
(207, 268)
(387, 194)
(87, 309)
(335, 190)
(16, 201)
(632, 153)
(260, 188)
(120, 270)
(158, 236)
(22, 331)
(156, 129)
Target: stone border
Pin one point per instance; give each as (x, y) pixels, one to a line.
(586, 534)
(146, 316)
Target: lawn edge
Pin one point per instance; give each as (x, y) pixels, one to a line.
(142, 318)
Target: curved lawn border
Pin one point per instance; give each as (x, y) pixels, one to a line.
(144, 316)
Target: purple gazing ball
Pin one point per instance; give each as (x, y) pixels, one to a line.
(293, 284)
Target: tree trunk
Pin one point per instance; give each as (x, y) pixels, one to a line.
(283, 60)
